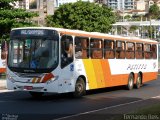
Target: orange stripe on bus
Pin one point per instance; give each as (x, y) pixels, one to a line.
(90, 72)
(47, 77)
(149, 76)
(106, 71)
(99, 75)
(120, 79)
(98, 72)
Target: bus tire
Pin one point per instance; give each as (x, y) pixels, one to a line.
(80, 88)
(138, 81)
(36, 94)
(130, 82)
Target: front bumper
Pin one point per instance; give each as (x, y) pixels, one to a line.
(37, 87)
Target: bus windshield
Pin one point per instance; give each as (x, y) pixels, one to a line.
(33, 54)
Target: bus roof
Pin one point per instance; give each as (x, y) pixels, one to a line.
(93, 34)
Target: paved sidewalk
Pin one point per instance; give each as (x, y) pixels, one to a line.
(2, 84)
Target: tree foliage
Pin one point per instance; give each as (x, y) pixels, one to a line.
(11, 17)
(154, 11)
(127, 17)
(83, 16)
(133, 28)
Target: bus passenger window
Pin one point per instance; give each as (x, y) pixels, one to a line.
(81, 47)
(120, 49)
(154, 51)
(130, 50)
(66, 50)
(109, 49)
(147, 51)
(96, 48)
(139, 51)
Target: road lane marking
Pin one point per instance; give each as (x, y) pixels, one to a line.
(110, 107)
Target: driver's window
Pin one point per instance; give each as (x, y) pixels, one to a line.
(66, 50)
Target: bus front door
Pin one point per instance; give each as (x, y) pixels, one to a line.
(67, 66)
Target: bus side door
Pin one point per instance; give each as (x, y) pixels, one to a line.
(67, 66)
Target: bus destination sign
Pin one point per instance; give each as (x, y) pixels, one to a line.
(32, 32)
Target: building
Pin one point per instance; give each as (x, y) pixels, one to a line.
(47, 6)
(121, 4)
(114, 4)
(131, 7)
(61, 2)
(43, 7)
(100, 1)
(129, 4)
(140, 5)
(149, 3)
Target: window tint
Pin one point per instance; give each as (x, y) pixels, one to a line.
(154, 51)
(147, 51)
(66, 50)
(81, 47)
(120, 49)
(130, 50)
(96, 48)
(139, 51)
(109, 49)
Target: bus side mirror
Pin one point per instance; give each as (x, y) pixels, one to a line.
(4, 50)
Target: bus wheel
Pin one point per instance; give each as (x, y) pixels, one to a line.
(138, 81)
(80, 88)
(130, 82)
(36, 94)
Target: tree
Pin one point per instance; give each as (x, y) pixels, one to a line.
(83, 16)
(154, 11)
(118, 16)
(11, 17)
(133, 28)
(128, 17)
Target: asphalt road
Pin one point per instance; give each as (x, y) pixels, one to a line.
(101, 104)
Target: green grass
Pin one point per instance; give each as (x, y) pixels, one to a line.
(155, 109)
(146, 113)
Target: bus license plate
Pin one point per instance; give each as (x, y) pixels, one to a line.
(28, 87)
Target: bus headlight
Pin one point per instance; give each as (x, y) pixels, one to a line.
(10, 78)
(52, 79)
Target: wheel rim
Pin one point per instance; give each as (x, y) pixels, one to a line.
(79, 88)
(138, 81)
(131, 82)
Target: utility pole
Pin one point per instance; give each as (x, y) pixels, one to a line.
(151, 27)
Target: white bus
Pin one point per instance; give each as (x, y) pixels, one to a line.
(57, 60)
